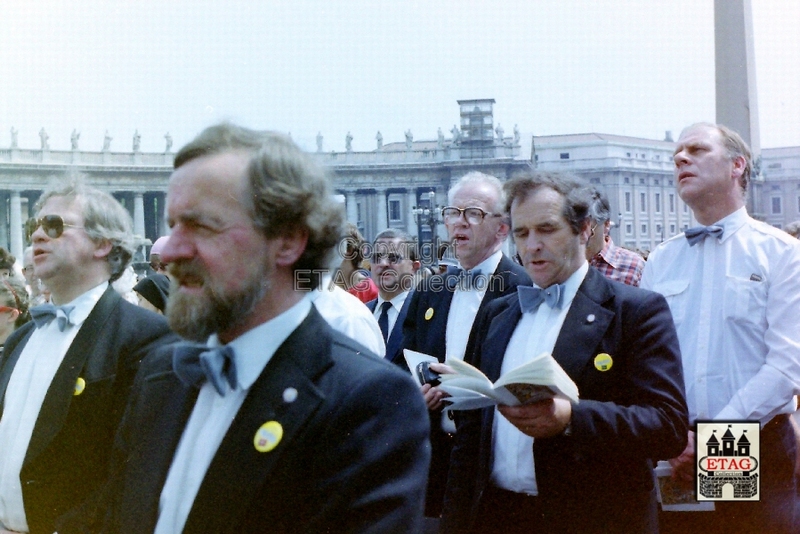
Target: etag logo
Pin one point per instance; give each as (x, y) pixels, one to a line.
(728, 460)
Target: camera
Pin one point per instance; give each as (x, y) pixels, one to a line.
(426, 375)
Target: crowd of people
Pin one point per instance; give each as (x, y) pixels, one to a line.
(261, 383)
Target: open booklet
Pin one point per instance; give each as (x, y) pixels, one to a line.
(539, 379)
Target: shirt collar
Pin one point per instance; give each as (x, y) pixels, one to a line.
(731, 223)
(255, 348)
(85, 303)
(608, 253)
(489, 265)
(572, 284)
(397, 301)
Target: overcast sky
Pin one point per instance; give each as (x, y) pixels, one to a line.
(628, 67)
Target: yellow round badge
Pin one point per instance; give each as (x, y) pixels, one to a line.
(80, 385)
(268, 436)
(603, 362)
(428, 314)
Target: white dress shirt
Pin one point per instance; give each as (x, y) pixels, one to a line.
(348, 315)
(464, 308)
(30, 380)
(394, 310)
(735, 303)
(212, 415)
(535, 333)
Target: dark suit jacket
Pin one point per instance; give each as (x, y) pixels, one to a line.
(599, 478)
(73, 436)
(353, 457)
(394, 345)
(426, 331)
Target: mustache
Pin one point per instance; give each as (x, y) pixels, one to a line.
(185, 269)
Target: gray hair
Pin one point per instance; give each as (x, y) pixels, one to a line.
(476, 177)
(599, 209)
(104, 219)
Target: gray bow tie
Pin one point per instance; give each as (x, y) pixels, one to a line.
(530, 298)
(43, 314)
(698, 233)
(195, 363)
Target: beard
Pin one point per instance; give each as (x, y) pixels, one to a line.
(196, 317)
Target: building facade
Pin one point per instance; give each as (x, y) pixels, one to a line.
(404, 184)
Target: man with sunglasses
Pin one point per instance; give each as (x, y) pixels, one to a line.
(65, 377)
(394, 262)
(442, 310)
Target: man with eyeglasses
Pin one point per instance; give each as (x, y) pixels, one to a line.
(442, 310)
(394, 262)
(65, 376)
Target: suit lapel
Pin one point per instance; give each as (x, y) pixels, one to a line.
(223, 498)
(497, 339)
(88, 343)
(396, 335)
(584, 326)
(9, 361)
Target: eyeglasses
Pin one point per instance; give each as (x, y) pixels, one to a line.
(52, 225)
(158, 266)
(391, 257)
(452, 214)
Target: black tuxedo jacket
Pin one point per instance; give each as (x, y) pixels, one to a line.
(353, 457)
(598, 479)
(425, 330)
(72, 440)
(394, 345)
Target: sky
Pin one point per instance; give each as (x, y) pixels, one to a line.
(625, 67)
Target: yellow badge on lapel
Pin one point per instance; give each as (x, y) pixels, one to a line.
(603, 362)
(268, 436)
(80, 385)
(428, 314)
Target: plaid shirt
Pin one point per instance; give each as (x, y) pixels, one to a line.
(617, 263)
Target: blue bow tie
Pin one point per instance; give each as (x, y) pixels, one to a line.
(698, 233)
(194, 364)
(43, 314)
(531, 297)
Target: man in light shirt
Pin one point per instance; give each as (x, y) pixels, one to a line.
(734, 292)
(394, 262)
(65, 377)
(443, 307)
(554, 466)
(272, 421)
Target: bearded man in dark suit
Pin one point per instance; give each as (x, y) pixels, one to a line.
(273, 421)
(65, 377)
(554, 466)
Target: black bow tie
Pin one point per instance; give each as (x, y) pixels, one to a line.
(195, 363)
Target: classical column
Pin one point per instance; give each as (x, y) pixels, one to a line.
(138, 214)
(4, 240)
(383, 219)
(15, 232)
(412, 219)
(352, 207)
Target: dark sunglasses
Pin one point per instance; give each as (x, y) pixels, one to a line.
(390, 257)
(52, 225)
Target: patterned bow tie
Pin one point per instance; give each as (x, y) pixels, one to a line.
(194, 364)
(698, 233)
(43, 314)
(531, 297)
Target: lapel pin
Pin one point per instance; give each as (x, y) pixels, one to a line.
(590, 318)
(80, 385)
(289, 395)
(428, 314)
(603, 362)
(268, 436)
